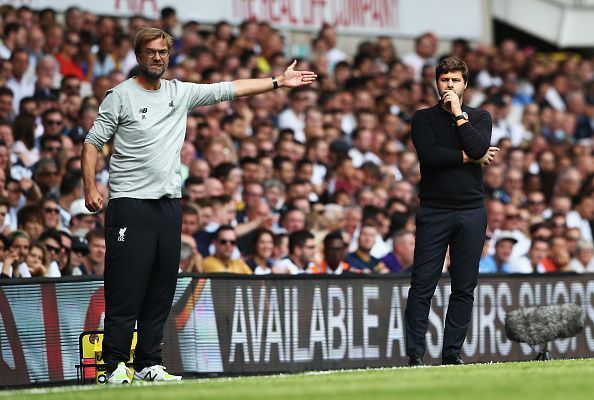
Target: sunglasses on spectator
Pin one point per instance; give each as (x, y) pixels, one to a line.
(227, 241)
(53, 148)
(53, 249)
(517, 217)
(53, 122)
(51, 210)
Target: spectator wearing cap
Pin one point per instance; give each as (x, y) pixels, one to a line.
(498, 262)
(82, 220)
(222, 260)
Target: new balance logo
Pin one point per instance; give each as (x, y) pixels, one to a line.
(143, 110)
(122, 237)
(149, 376)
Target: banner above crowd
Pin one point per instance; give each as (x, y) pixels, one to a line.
(404, 18)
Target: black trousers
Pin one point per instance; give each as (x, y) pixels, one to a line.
(143, 239)
(464, 231)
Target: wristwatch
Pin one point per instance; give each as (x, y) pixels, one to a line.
(462, 116)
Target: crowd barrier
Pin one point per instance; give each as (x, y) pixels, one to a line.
(223, 324)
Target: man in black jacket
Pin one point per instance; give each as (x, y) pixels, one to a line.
(452, 142)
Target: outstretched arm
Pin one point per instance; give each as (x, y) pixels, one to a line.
(290, 79)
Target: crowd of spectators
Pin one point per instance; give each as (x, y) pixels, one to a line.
(320, 179)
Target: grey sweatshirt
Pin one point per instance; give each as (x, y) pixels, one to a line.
(149, 128)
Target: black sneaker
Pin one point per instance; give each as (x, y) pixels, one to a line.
(452, 359)
(415, 360)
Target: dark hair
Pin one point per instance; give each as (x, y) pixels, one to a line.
(451, 64)
(334, 235)
(222, 171)
(223, 228)
(71, 180)
(193, 180)
(28, 213)
(51, 234)
(24, 129)
(258, 233)
(299, 238)
(189, 210)
(94, 234)
(4, 91)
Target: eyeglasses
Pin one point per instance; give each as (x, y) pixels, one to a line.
(51, 210)
(227, 241)
(53, 249)
(517, 217)
(53, 122)
(151, 53)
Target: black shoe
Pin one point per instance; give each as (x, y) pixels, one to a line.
(415, 360)
(452, 359)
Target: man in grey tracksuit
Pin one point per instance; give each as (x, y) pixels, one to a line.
(146, 116)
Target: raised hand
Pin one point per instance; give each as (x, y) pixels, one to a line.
(294, 78)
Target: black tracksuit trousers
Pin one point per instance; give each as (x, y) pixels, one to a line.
(464, 231)
(143, 240)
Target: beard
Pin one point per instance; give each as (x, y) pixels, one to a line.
(153, 72)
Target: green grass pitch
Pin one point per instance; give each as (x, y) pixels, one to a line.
(563, 379)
